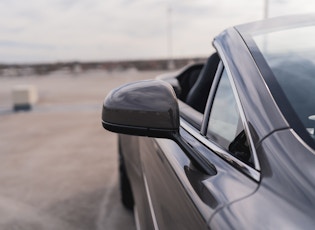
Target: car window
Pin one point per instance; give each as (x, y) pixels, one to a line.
(225, 125)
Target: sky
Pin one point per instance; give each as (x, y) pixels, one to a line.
(41, 31)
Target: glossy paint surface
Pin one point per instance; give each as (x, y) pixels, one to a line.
(145, 105)
(285, 199)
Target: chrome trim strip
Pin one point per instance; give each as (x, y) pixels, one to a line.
(213, 90)
(240, 107)
(156, 227)
(136, 216)
(222, 153)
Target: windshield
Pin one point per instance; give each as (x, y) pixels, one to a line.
(290, 54)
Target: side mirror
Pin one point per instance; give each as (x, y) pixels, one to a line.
(144, 108)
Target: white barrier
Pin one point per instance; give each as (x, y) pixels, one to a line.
(24, 97)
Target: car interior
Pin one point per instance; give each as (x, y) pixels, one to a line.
(198, 94)
(193, 87)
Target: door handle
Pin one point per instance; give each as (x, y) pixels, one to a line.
(196, 179)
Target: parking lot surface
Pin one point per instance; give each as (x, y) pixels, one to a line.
(58, 166)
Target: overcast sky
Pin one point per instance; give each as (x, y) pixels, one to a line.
(97, 30)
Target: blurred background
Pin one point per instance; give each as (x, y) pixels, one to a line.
(91, 30)
(58, 166)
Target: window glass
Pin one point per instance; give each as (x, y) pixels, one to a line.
(225, 124)
(292, 62)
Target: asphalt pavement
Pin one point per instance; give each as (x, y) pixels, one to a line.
(58, 166)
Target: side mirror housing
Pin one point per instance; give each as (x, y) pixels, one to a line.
(144, 108)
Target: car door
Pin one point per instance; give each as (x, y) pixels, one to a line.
(187, 184)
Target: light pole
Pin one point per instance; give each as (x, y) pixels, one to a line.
(266, 9)
(170, 64)
(266, 15)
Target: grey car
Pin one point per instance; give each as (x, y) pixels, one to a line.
(228, 144)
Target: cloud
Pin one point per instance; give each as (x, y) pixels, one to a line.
(122, 29)
(287, 7)
(23, 45)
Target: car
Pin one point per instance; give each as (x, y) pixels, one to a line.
(225, 144)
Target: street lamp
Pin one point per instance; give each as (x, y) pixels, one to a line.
(170, 64)
(266, 9)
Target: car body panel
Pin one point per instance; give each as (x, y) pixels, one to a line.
(182, 186)
(286, 189)
(129, 146)
(169, 198)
